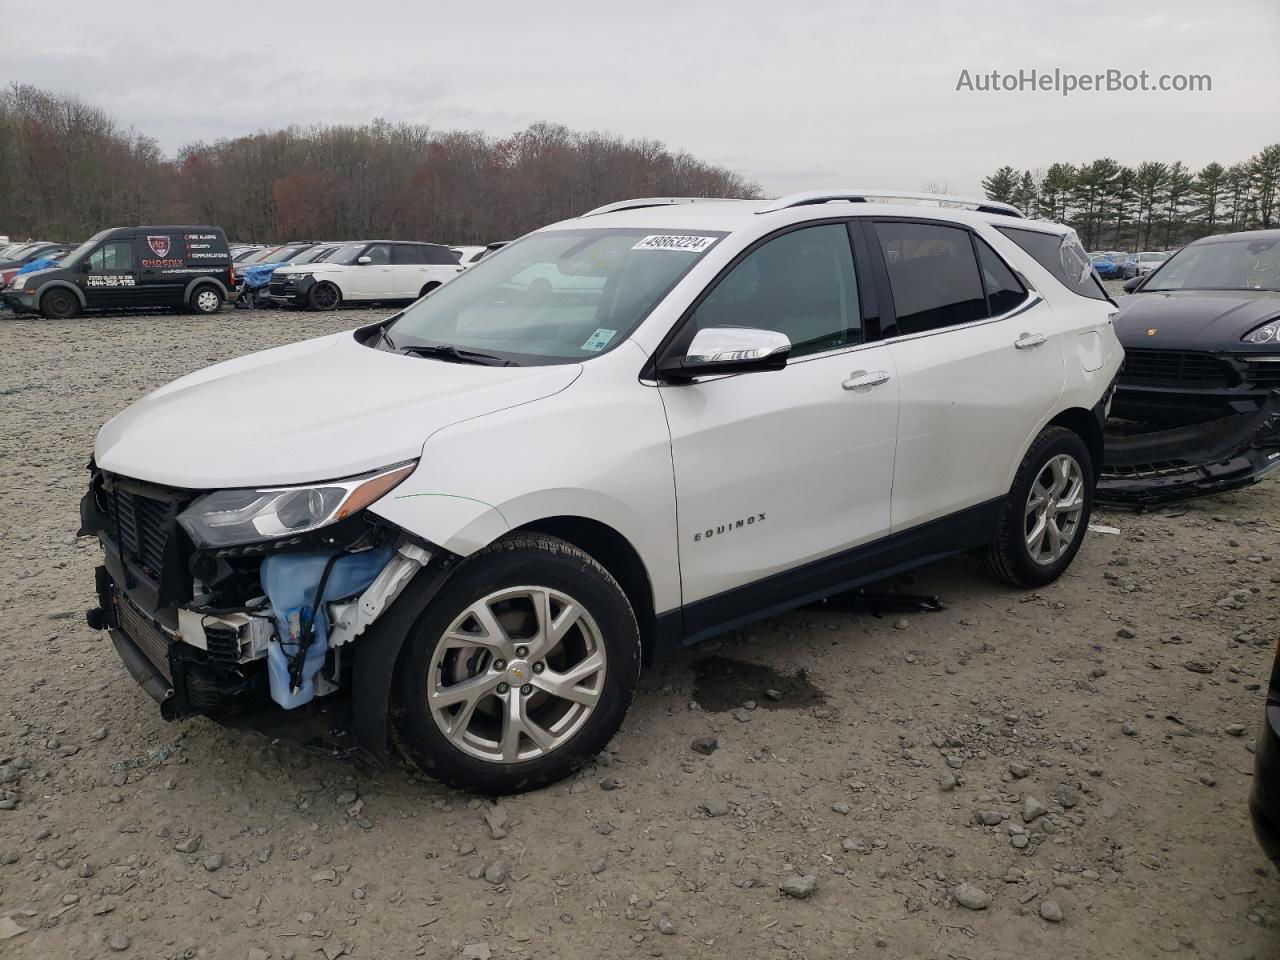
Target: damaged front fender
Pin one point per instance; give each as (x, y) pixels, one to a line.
(1165, 464)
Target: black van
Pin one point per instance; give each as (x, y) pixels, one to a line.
(132, 267)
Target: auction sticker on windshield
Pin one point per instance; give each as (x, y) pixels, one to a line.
(680, 242)
(599, 340)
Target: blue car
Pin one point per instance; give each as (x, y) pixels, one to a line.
(1105, 267)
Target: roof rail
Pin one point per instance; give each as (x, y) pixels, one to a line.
(870, 196)
(641, 202)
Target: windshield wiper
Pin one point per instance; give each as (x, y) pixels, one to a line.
(450, 352)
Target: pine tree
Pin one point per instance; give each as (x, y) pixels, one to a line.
(1264, 168)
(1209, 188)
(1001, 185)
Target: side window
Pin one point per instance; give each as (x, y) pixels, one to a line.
(1062, 255)
(933, 276)
(410, 253)
(1004, 291)
(379, 253)
(801, 284)
(113, 255)
(439, 256)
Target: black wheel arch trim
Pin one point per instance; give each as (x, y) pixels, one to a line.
(200, 282)
(378, 651)
(49, 285)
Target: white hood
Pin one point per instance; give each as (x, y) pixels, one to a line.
(317, 410)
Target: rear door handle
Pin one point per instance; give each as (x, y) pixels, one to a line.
(863, 379)
(1028, 340)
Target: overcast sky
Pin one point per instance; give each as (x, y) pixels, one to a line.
(794, 95)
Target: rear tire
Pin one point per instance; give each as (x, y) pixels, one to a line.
(206, 299)
(427, 289)
(487, 697)
(323, 297)
(1044, 519)
(59, 304)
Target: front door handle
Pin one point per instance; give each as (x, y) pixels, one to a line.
(1028, 340)
(862, 379)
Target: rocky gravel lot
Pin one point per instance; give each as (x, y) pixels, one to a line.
(1022, 775)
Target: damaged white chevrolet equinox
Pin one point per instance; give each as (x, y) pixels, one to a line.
(470, 524)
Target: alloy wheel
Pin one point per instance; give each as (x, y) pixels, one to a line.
(1055, 505)
(516, 674)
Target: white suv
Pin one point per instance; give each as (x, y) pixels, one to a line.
(509, 496)
(363, 272)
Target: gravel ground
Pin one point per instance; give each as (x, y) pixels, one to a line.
(1052, 774)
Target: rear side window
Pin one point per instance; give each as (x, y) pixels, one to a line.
(1004, 291)
(439, 256)
(933, 277)
(1062, 256)
(409, 253)
(418, 253)
(801, 284)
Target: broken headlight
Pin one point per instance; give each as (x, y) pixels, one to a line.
(227, 518)
(1266, 333)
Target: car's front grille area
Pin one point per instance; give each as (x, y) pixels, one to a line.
(142, 526)
(1261, 375)
(1177, 368)
(146, 636)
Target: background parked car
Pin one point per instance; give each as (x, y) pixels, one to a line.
(1105, 267)
(365, 271)
(156, 266)
(26, 253)
(1140, 264)
(1197, 393)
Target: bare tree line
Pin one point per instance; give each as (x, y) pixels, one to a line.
(1152, 205)
(67, 170)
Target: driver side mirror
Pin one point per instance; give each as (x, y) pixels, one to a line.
(1132, 284)
(364, 260)
(720, 350)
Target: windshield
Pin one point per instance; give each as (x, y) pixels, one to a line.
(346, 254)
(1244, 264)
(18, 252)
(283, 254)
(554, 297)
(84, 248)
(314, 254)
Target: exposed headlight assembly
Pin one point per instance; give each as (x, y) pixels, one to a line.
(227, 518)
(1266, 333)
(19, 282)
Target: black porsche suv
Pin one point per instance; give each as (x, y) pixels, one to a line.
(125, 267)
(1196, 408)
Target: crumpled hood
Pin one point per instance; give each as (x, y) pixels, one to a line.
(1193, 319)
(317, 410)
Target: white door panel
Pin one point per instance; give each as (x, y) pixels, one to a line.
(776, 469)
(971, 399)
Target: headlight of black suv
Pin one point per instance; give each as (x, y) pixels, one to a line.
(227, 518)
(1269, 332)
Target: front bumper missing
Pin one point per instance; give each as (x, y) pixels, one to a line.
(1182, 462)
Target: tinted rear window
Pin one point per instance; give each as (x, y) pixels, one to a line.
(1062, 256)
(933, 276)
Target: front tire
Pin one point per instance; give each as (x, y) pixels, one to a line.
(324, 297)
(519, 671)
(59, 304)
(206, 300)
(1044, 519)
